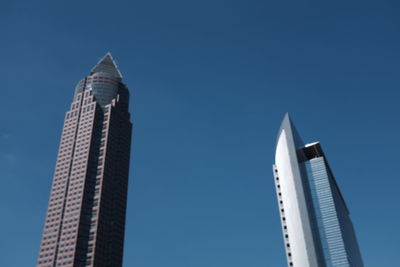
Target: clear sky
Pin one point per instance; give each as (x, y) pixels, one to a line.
(210, 83)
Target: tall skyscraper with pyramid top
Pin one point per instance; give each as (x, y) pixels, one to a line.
(85, 220)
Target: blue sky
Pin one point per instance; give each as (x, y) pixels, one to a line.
(210, 82)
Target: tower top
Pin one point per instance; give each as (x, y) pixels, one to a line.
(288, 127)
(107, 65)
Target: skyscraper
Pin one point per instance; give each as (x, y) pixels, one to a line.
(85, 219)
(315, 220)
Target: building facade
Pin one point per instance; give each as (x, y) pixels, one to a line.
(316, 226)
(85, 220)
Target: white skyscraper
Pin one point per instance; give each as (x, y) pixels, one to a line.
(315, 220)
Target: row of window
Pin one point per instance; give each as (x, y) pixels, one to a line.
(77, 179)
(282, 210)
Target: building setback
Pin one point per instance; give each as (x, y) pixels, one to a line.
(85, 219)
(316, 226)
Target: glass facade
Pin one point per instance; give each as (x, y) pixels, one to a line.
(331, 239)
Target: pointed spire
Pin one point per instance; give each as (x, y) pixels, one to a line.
(286, 123)
(107, 65)
(287, 118)
(288, 126)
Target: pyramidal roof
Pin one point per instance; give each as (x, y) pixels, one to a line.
(107, 65)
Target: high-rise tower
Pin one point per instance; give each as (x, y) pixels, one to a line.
(85, 219)
(317, 229)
